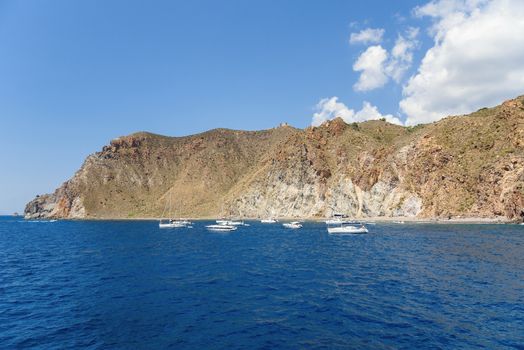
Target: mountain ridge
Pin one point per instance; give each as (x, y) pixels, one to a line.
(460, 166)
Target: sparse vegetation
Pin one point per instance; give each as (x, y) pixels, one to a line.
(448, 164)
(413, 128)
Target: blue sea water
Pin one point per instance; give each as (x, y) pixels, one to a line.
(129, 285)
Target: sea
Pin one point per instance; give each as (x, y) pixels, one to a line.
(131, 285)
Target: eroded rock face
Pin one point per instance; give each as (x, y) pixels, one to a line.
(460, 166)
(63, 203)
(311, 200)
(40, 207)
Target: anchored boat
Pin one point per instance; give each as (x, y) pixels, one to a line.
(231, 222)
(292, 225)
(221, 228)
(338, 219)
(172, 223)
(347, 228)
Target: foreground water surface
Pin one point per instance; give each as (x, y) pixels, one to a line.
(129, 285)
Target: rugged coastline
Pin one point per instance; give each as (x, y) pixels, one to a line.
(460, 168)
(378, 220)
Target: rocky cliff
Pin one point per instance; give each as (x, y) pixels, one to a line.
(468, 166)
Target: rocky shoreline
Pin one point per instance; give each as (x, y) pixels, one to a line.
(382, 219)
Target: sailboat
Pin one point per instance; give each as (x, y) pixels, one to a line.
(292, 225)
(269, 221)
(231, 222)
(338, 219)
(221, 228)
(169, 222)
(346, 228)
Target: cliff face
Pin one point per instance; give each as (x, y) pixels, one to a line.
(470, 166)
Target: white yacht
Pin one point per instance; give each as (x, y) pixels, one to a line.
(170, 223)
(231, 222)
(269, 221)
(346, 228)
(293, 224)
(337, 219)
(221, 228)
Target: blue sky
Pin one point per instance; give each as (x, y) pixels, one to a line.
(76, 74)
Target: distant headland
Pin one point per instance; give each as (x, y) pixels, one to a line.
(469, 166)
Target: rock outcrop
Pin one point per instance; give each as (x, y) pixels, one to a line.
(468, 166)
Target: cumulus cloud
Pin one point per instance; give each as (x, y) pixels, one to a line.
(371, 65)
(330, 108)
(370, 112)
(449, 12)
(477, 59)
(367, 36)
(377, 65)
(402, 55)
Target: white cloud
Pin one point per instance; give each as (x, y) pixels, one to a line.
(367, 36)
(444, 8)
(330, 108)
(371, 65)
(377, 66)
(477, 59)
(370, 112)
(402, 55)
(412, 33)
